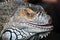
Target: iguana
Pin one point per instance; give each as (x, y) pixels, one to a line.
(29, 22)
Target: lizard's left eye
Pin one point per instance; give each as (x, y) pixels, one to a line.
(28, 14)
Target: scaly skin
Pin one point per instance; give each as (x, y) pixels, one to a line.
(27, 23)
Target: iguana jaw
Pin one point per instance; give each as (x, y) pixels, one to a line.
(42, 25)
(32, 27)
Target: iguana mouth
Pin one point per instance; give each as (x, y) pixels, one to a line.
(42, 25)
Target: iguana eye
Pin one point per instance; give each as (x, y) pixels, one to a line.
(28, 14)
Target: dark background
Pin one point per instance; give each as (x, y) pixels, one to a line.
(1, 0)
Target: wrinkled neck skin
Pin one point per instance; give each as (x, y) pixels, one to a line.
(41, 22)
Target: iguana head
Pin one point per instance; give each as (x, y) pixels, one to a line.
(29, 20)
(33, 19)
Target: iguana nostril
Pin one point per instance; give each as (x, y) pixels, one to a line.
(50, 21)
